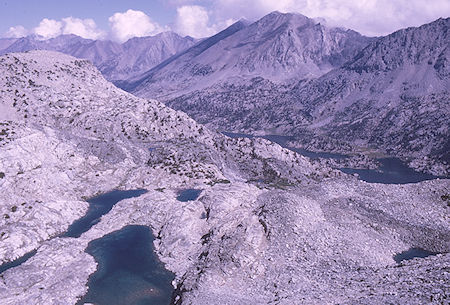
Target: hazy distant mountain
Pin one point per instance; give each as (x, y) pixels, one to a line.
(277, 47)
(141, 53)
(97, 51)
(34, 42)
(116, 61)
(6, 42)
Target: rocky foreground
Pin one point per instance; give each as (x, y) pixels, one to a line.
(270, 227)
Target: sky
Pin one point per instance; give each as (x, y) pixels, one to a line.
(120, 20)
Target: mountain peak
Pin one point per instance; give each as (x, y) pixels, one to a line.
(162, 35)
(279, 17)
(279, 47)
(414, 45)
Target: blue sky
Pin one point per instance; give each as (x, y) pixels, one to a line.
(122, 19)
(29, 13)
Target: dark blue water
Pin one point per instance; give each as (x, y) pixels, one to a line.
(99, 206)
(17, 262)
(188, 194)
(391, 171)
(412, 253)
(129, 271)
(280, 140)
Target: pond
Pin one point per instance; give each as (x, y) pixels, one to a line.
(412, 253)
(317, 155)
(235, 135)
(391, 171)
(283, 140)
(17, 261)
(129, 272)
(188, 194)
(99, 206)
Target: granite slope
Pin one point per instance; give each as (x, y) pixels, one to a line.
(269, 225)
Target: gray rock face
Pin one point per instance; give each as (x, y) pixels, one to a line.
(393, 96)
(277, 47)
(412, 46)
(116, 61)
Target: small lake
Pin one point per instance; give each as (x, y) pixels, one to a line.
(17, 261)
(391, 171)
(99, 206)
(412, 253)
(188, 195)
(129, 272)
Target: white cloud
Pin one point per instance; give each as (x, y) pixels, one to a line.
(48, 28)
(16, 32)
(193, 20)
(85, 28)
(133, 24)
(123, 26)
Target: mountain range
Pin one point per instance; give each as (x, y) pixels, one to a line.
(278, 47)
(115, 61)
(387, 94)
